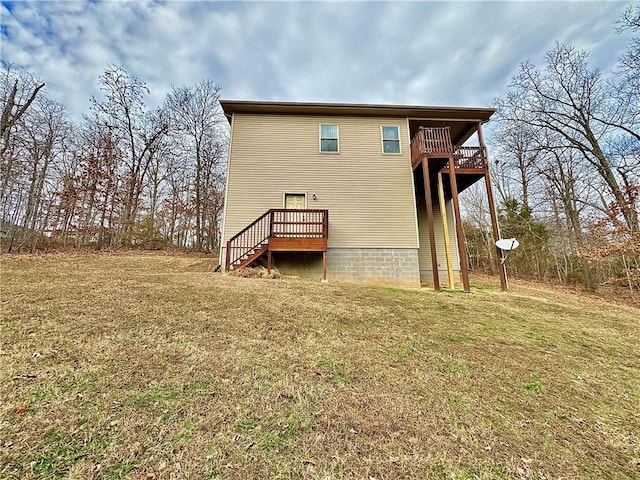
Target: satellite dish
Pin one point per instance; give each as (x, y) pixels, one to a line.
(507, 244)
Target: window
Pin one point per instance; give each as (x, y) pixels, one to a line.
(390, 139)
(329, 138)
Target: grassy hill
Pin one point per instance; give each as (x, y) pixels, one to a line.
(152, 367)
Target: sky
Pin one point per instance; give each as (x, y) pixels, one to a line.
(410, 53)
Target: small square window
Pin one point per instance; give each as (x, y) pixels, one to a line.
(390, 139)
(329, 138)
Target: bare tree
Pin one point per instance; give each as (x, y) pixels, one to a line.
(570, 100)
(516, 157)
(99, 186)
(19, 90)
(122, 176)
(174, 212)
(567, 187)
(124, 110)
(33, 136)
(629, 62)
(196, 115)
(44, 133)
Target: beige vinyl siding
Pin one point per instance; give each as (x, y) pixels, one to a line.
(369, 195)
(424, 253)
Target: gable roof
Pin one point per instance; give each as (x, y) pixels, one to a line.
(358, 109)
(461, 120)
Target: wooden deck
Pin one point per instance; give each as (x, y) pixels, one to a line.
(441, 171)
(279, 230)
(434, 145)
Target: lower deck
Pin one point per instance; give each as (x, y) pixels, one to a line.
(279, 230)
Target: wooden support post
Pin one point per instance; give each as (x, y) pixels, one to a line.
(502, 269)
(269, 261)
(324, 266)
(504, 284)
(462, 249)
(432, 233)
(227, 263)
(445, 231)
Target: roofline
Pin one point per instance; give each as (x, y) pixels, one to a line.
(477, 114)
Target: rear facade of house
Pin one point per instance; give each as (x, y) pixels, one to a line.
(339, 191)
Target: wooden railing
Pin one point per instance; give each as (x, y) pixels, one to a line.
(436, 142)
(294, 223)
(247, 240)
(275, 223)
(431, 141)
(470, 158)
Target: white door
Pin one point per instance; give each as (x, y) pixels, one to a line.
(295, 200)
(293, 226)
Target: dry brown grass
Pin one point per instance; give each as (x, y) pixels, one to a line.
(257, 272)
(148, 366)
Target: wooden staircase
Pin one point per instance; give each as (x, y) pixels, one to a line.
(278, 229)
(252, 256)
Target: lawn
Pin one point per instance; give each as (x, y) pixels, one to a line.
(152, 367)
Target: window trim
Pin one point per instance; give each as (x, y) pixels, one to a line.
(337, 125)
(382, 139)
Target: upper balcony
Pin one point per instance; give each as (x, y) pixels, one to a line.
(436, 143)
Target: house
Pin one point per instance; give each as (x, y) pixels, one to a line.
(349, 192)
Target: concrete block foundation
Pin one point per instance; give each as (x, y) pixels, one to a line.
(381, 266)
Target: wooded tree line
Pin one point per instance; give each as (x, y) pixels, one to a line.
(126, 175)
(567, 168)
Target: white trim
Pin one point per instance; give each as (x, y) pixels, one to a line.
(284, 194)
(382, 140)
(223, 243)
(337, 125)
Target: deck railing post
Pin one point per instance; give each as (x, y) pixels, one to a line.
(271, 214)
(228, 257)
(325, 225)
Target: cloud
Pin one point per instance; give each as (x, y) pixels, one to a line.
(458, 53)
